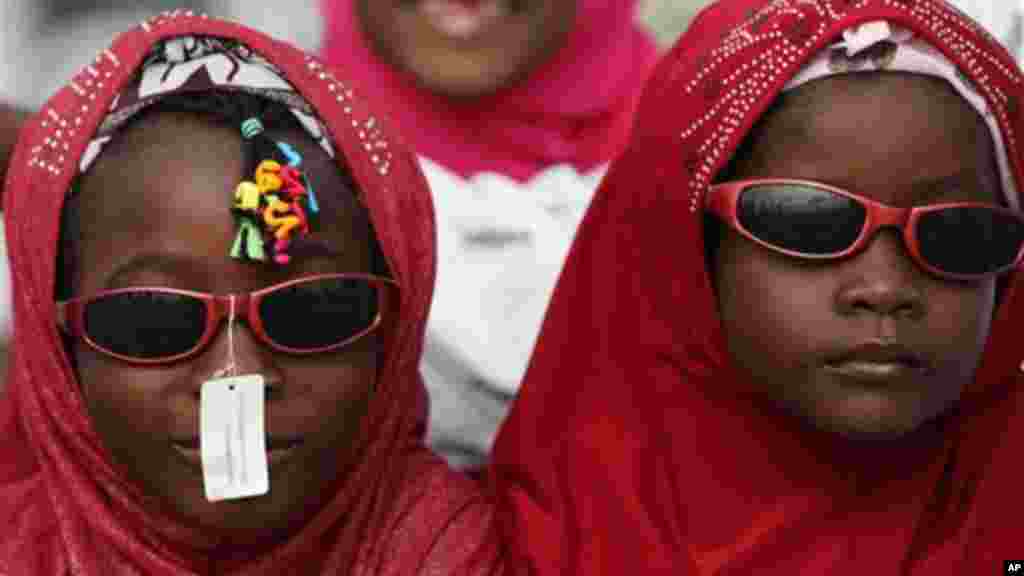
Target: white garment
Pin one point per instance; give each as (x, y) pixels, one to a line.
(500, 248)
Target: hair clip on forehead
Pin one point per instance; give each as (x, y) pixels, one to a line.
(274, 207)
(251, 127)
(294, 161)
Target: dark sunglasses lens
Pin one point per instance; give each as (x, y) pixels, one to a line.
(969, 240)
(800, 218)
(146, 324)
(319, 313)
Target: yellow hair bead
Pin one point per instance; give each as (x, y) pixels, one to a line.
(247, 196)
(268, 176)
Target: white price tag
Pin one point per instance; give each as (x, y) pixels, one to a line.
(232, 440)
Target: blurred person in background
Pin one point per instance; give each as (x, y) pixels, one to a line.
(515, 107)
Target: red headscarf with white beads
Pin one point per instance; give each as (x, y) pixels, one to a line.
(634, 446)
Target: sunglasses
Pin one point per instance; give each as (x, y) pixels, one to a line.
(155, 325)
(810, 220)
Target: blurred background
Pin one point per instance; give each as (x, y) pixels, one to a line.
(43, 42)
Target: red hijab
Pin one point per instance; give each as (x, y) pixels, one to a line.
(66, 508)
(576, 109)
(634, 445)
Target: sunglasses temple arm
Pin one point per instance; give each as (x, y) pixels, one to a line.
(63, 312)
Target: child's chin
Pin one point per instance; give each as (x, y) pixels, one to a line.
(242, 520)
(867, 415)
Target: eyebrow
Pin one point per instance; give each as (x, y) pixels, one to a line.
(314, 248)
(147, 261)
(164, 261)
(926, 189)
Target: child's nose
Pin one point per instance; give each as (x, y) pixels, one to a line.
(235, 351)
(882, 279)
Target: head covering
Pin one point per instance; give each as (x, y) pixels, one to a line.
(65, 507)
(879, 46)
(576, 109)
(634, 441)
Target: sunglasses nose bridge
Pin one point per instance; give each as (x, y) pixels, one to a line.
(244, 348)
(230, 310)
(892, 256)
(881, 217)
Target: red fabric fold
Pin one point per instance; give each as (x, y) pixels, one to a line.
(634, 446)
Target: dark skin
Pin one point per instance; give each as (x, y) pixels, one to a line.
(154, 211)
(503, 53)
(783, 317)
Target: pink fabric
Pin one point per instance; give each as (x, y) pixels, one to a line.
(634, 445)
(65, 508)
(576, 109)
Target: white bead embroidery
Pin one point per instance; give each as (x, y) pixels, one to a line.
(367, 130)
(770, 63)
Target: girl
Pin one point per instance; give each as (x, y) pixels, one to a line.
(785, 341)
(182, 403)
(515, 107)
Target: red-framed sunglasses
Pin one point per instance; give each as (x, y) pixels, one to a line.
(811, 220)
(158, 325)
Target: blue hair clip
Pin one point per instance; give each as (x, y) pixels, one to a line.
(293, 156)
(295, 160)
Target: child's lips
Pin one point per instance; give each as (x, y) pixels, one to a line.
(877, 362)
(462, 19)
(873, 371)
(279, 450)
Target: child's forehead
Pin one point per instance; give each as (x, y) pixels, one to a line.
(171, 129)
(878, 89)
(862, 102)
(184, 148)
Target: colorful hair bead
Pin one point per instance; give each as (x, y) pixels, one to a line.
(247, 197)
(268, 176)
(252, 127)
(294, 161)
(272, 209)
(293, 156)
(249, 243)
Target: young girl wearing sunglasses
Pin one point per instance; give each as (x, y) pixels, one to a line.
(223, 263)
(805, 358)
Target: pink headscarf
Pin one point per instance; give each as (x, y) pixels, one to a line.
(576, 109)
